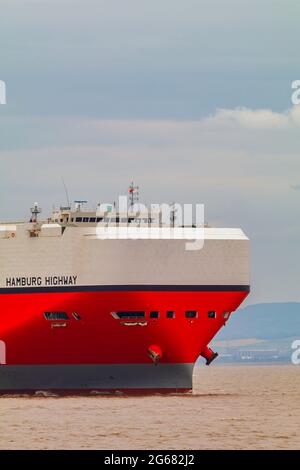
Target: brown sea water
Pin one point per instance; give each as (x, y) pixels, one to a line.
(232, 407)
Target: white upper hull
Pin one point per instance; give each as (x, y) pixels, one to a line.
(81, 252)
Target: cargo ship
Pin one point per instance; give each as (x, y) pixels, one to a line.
(81, 312)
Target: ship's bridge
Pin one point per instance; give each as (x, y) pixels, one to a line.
(108, 215)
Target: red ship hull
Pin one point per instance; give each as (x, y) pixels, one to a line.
(93, 351)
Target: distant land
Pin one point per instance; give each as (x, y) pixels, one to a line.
(259, 333)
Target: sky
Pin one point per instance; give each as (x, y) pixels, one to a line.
(191, 99)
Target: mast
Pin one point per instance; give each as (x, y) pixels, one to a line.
(35, 211)
(133, 194)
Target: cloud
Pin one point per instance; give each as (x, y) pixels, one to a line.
(296, 187)
(256, 119)
(236, 150)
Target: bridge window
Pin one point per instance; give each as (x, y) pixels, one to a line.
(92, 219)
(212, 314)
(56, 316)
(191, 314)
(78, 219)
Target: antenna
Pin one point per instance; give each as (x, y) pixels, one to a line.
(173, 214)
(133, 194)
(66, 191)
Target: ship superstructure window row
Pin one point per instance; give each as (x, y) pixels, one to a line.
(88, 219)
(111, 220)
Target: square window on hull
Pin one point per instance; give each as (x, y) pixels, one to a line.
(154, 314)
(212, 314)
(191, 314)
(170, 314)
